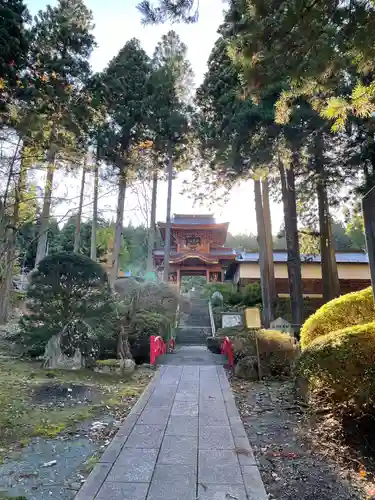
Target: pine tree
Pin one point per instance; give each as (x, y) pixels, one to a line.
(57, 104)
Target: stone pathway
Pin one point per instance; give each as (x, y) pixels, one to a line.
(184, 439)
(192, 355)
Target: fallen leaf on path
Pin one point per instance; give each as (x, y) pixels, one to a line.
(242, 451)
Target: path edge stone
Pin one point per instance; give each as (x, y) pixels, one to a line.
(98, 475)
(252, 478)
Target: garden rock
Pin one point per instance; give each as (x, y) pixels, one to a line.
(55, 359)
(127, 366)
(247, 368)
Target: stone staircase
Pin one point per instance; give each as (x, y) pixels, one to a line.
(195, 327)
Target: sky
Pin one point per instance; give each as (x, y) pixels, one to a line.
(117, 21)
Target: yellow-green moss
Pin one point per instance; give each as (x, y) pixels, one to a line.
(108, 362)
(21, 418)
(352, 309)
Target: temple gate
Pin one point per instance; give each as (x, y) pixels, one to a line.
(197, 248)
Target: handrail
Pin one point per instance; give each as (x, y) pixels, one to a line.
(177, 319)
(157, 348)
(212, 319)
(227, 350)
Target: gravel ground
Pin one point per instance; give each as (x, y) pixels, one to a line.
(54, 466)
(31, 476)
(279, 431)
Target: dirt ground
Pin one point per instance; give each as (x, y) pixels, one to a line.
(296, 459)
(55, 424)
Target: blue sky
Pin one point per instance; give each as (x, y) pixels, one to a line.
(116, 21)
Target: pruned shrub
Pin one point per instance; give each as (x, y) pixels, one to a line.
(277, 350)
(352, 309)
(247, 296)
(231, 331)
(143, 325)
(340, 367)
(65, 290)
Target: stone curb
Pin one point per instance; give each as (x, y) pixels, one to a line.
(100, 472)
(252, 480)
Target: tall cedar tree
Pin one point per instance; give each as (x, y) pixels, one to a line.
(124, 89)
(228, 122)
(169, 113)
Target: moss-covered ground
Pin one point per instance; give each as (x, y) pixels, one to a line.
(38, 402)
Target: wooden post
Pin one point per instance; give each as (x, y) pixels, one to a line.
(368, 207)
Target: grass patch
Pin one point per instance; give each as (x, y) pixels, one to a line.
(5, 496)
(21, 418)
(90, 463)
(108, 362)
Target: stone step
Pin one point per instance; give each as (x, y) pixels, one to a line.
(192, 355)
(193, 335)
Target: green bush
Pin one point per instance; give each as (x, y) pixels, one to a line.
(66, 292)
(277, 350)
(247, 296)
(252, 295)
(340, 367)
(143, 325)
(352, 309)
(231, 331)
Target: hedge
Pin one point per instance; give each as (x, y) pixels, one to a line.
(277, 350)
(352, 309)
(340, 366)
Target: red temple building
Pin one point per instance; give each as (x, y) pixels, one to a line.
(197, 248)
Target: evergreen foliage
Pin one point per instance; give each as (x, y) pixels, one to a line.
(66, 289)
(14, 45)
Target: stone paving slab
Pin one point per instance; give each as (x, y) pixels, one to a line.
(184, 439)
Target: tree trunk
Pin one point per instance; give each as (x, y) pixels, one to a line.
(10, 245)
(44, 222)
(264, 277)
(152, 228)
(3, 204)
(269, 249)
(330, 279)
(77, 234)
(291, 229)
(94, 224)
(118, 228)
(167, 244)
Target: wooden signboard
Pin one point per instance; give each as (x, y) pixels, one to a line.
(252, 315)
